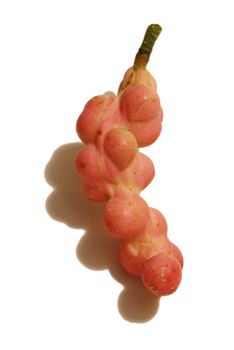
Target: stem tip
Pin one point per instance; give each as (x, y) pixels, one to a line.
(143, 54)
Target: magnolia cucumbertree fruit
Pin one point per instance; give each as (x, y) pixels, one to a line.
(113, 171)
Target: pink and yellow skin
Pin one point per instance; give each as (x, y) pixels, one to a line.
(113, 171)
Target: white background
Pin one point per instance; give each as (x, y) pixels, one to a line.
(61, 286)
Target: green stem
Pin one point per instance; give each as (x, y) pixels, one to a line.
(143, 54)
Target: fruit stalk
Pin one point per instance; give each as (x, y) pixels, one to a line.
(144, 52)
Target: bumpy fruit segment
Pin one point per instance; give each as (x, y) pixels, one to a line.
(121, 147)
(161, 274)
(141, 106)
(126, 218)
(140, 103)
(139, 174)
(130, 259)
(95, 113)
(151, 243)
(158, 221)
(89, 164)
(146, 132)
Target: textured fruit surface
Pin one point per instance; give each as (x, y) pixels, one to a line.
(158, 221)
(126, 218)
(120, 145)
(140, 103)
(152, 241)
(93, 116)
(113, 171)
(161, 274)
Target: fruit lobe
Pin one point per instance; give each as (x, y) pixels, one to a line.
(121, 147)
(161, 274)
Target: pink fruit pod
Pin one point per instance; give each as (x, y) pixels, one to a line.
(113, 171)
